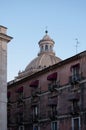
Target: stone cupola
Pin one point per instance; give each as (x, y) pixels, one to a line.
(46, 45)
(46, 57)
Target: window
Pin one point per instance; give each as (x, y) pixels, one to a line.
(20, 98)
(20, 94)
(8, 96)
(76, 123)
(75, 107)
(54, 82)
(54, 125)
(35, 127)
(46, 47)
(75, 104)
(54, 109)
(51, 48)
(35, 110)
(76, 76)
(75, 69)
(41, 48)
(9, 129)
(21, 127)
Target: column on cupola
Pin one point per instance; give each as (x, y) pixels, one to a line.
(46, 44)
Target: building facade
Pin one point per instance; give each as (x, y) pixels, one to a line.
(4, 39)
(52, 98)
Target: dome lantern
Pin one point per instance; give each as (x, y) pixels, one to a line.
(46, 57)
(46, 44)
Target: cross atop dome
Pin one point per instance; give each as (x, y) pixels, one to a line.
(46, 32)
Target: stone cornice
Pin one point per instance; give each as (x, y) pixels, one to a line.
(5, 37)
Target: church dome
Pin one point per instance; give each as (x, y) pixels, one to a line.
(46, 57)
(46, 38)
(42, 61)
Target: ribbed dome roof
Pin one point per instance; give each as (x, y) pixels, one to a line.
(42, 61)
(46, 57)
(47, 37)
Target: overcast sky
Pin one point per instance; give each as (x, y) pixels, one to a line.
(26, 21)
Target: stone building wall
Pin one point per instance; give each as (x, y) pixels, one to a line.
(52, 99)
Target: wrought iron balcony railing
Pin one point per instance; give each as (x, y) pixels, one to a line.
(75, 79)
(52, 87)
(35, 92)
(74, 110)
(35, 117)
(19, 121)
(52, 114)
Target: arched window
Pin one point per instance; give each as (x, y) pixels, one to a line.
(41, 48)
(46, 47)
(51, 48)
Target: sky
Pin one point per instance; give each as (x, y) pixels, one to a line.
(27, 20)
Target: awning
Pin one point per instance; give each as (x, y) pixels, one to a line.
(73, 97)
(52, 76)
(52, 102)
(19, 90)
(34, 83)
(75, 65)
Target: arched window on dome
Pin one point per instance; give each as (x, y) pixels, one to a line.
(46, 47)
(42, 48)
(51, 48)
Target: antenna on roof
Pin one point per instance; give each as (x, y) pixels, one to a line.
(77, 42)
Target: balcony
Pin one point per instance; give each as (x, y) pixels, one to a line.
(52, 102)
(35, 92)
(9, 121)
(53, 86)
(35, 118)
(20, 99)
(75, 110)
(75, 79)
(19, 119)
(43, 115)
(73, 97)
(52, 114)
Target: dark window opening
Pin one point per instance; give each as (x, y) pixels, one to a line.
(76, 123)
(46, 47)
(54, 126)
